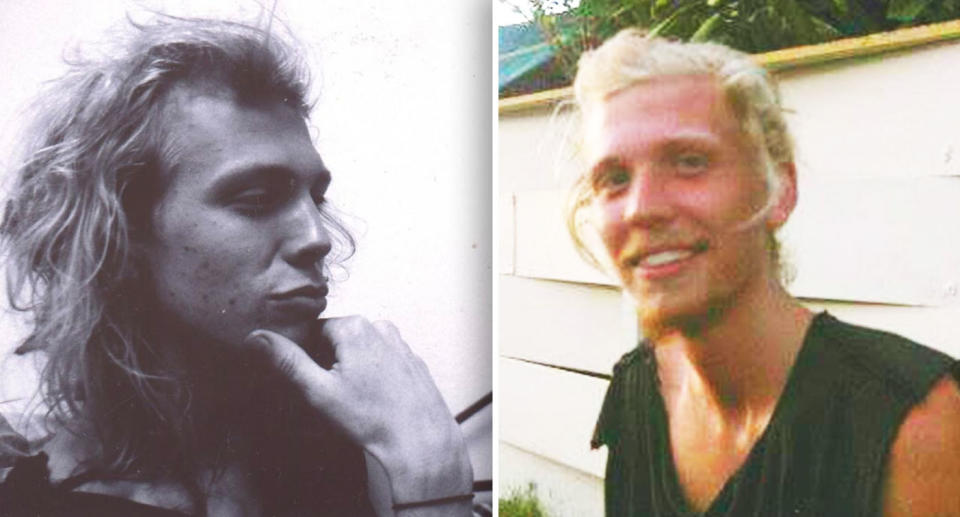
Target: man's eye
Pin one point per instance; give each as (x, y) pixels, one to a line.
(611, 179)
(691, 164)
(256, 201)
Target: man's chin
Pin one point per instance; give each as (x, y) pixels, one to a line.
(297, 326)
(299, 332)
(654, 324)
(657, 321)
(306, 334)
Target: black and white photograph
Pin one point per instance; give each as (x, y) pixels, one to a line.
(246, 258)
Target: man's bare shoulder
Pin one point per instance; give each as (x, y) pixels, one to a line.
(923, 473)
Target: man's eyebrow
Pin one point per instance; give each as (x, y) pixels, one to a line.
(606, 163)
(243, 175)
(690, 137)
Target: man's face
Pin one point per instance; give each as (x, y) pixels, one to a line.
(675, 182)
(238, 239)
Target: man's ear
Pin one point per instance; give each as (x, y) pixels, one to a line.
(786, 196)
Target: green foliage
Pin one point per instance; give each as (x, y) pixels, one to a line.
(521, 503)
(906, 10)
(750, 25)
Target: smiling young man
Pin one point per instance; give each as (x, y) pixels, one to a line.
(169, 234)
(739, 401)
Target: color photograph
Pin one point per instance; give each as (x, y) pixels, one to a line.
(727, 258)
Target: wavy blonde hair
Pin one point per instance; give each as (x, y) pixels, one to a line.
(631, 57)
(96, 162)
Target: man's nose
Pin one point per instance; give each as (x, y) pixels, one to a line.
(647, 198)
(308, 238)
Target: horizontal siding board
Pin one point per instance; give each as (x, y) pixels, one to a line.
(571, 325)
(879, 240)
(889, 116)
(543, 245)
(551, 413)
(537, 152)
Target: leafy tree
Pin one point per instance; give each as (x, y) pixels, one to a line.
(749, 25)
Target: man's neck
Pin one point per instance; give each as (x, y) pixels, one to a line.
(736, 365)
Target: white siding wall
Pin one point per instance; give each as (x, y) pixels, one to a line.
(874, 240)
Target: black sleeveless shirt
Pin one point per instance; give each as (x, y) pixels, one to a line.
(823, 452)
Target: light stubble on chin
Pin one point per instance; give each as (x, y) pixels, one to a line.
(656, 323)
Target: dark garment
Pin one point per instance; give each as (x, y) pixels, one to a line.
(823, 452)
(27, 492)
(337, 487)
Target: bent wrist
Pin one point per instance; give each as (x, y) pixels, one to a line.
(419, 479)
(435, 474)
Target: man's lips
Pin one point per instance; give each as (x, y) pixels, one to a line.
(637, 255)
(661, 258)
(311, 291)
(306, 301)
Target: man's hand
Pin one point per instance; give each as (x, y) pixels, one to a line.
(382, 395)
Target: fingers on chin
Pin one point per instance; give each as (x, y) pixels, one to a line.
(358, 332)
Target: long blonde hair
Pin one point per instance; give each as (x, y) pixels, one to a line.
(95, 164)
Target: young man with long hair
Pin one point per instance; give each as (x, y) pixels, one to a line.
(169, 235)
(739, 401)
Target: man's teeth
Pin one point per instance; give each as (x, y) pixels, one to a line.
(665, 257)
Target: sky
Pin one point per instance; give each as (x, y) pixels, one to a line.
(505, 12)
(509, 12)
